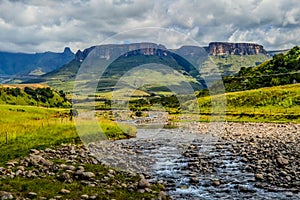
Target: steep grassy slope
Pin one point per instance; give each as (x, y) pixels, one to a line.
(229, 65)
(63, 78)
(34, 95)
(278, 103)
(282, 69)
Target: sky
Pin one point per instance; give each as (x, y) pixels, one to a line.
(51, 25)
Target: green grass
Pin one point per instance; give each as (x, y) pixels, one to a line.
(32, 94)
(25, 127)
(231, 64)
(106, 129)
(274, 104)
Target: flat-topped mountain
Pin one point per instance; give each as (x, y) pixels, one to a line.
(186, 59)
(109, 51)
(23, 64)
(226, 48)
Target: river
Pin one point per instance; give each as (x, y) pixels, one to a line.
(191, 165)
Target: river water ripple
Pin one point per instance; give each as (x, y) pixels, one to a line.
(192, 166)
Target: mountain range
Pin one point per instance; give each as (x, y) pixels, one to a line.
(227, 58)
(60, 68)
(31, 64)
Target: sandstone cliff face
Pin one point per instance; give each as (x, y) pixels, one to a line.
(225, 48)
(112, 51)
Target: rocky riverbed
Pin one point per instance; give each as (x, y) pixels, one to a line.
(195, 161)
(270, 151)
(242, 161)
(67, 171)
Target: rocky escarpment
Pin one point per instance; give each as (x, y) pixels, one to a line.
(225, 48)
(112, 51)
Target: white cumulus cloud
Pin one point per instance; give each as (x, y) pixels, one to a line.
(42, 25)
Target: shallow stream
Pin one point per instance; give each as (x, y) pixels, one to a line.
(192, 166)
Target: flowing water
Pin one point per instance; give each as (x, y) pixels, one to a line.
(192, 166)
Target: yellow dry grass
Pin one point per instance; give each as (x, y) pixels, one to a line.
(22, 86)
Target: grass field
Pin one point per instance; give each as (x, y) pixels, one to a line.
(23, 128)
(275, 104)
(22, 86)
(26, 127)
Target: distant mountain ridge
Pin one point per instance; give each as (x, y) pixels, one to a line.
(186, 59)
(23, 64)
(28, 64)
(108, 51)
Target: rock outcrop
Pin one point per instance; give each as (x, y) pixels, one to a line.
(225, 48)
(112, 51)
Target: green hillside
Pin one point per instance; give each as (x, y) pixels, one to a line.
(270, 104)
(41, 96)
(229, 65)
(63, 78)
(282, 69)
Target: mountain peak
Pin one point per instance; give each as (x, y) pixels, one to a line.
(67, 50)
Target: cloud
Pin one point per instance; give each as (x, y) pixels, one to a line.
(41, 25)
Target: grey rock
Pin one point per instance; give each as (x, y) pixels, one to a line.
(259, 176)
(216, 183)
(85, 175)
(141, 191)
(84, 196)
(11, 164)
(109, 191)
(162, 195)
(243, 188)
(32, 195)
(22, 168)
(34, 151)
(283, 173)
(282, 161)
(5, 195)
(65, 191)
(64, 177)
(143, 183)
